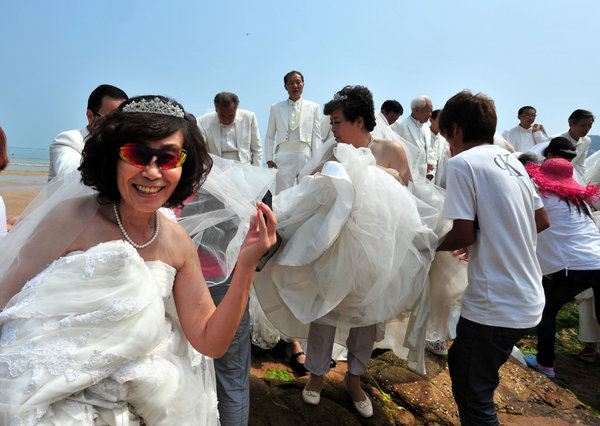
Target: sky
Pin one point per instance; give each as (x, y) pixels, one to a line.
(54, 53)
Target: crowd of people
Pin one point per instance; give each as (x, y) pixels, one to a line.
(124, 286)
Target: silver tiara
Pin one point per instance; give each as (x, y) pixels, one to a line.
(155, 106)
(338, 97)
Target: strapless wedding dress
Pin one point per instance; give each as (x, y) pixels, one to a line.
(95, 339)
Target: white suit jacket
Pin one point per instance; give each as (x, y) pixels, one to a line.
(65, 152)
(247, 136)
(582, 145)
(410, 132)
(310, 126)
(522, 139)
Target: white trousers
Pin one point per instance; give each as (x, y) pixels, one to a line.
(320, 344)
(589, 330)
(289, 165)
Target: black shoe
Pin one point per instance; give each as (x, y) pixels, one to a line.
(297, 366)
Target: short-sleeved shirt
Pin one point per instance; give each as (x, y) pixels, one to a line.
(486, 184)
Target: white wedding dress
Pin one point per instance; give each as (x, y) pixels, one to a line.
(94, 339)
(357, 249)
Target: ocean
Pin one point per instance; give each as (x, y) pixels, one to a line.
(27, 166)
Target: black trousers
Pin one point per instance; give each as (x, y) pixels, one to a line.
(559, 288)
(474, 359)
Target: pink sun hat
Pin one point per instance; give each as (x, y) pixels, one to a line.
(556, 175)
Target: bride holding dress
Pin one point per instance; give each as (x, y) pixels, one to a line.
(356, 251)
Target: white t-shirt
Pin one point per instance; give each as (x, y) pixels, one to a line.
(488, 185)
(571, 242)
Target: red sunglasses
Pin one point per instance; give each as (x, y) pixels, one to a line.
(139, 155)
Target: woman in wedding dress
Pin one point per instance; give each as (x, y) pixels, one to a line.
(355, 253)
(101, 293)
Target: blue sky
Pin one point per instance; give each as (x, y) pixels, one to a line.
(54, 53)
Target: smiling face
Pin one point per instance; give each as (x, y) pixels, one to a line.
(146, 189)
(294, 86)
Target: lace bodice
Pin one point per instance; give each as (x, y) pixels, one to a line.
(97, 331)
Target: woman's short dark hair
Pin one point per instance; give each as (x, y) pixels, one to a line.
(354, 102)
(3, 153)
(474, 114)
(101, 153)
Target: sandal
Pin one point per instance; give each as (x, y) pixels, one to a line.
(296, 365)
(588, 355)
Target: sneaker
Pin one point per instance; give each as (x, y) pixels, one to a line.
(531, 361)
(437, 347)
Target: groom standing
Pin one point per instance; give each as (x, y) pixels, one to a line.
(293, 134)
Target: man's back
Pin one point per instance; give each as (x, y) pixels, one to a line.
(489, 186)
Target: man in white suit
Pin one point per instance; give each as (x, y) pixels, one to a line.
(293, 134)
(230, 132)
(526, 134)
(580, 123)
(65, 150)
(390, 112)
(413, 130)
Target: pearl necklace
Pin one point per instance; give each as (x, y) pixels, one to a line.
(122, 228)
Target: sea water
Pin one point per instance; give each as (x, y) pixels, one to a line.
(22, 159)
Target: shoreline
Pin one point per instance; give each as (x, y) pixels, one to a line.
(17, 189)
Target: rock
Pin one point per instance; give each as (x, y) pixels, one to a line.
(402, 397)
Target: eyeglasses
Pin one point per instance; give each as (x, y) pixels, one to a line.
(97, 114)
(529, 115)
(139, 155)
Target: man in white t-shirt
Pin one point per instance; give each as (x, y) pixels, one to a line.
(496, 214)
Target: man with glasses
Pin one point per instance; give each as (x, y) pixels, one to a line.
(526, 134)
(65, 150)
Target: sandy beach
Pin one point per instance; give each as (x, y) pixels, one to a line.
(17, 199)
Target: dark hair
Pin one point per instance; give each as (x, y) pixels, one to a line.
(354, 102)
(561, 147)
(100, 92)
(528, 157)
(224, 99)
(392, 105)
(285, 77)
(474, 114)
(580, 114)
(3, 154)
(522, 109)
(435, 113)
(100, 155)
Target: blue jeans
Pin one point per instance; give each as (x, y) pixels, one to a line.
(233, 369)
(474, 359)
(559, 288)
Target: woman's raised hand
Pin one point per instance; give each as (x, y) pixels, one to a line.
(261, 236)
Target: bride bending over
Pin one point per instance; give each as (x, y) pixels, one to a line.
(99, 335)
(355, 251)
